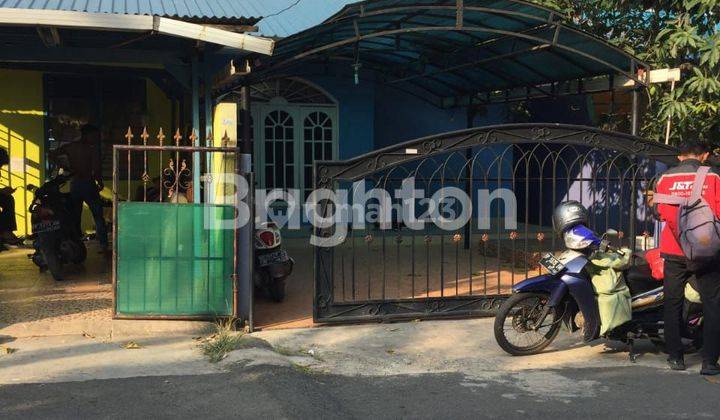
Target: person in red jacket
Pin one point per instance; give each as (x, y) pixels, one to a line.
(679, 181)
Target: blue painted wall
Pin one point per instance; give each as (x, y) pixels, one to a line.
(400, 117)
(373, 115)
(573, 109)
(356, 112)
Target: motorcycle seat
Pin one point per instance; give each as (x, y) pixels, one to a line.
(639, 279)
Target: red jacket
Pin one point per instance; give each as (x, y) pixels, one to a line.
(678, 181)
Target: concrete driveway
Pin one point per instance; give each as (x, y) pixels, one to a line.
(465, 347)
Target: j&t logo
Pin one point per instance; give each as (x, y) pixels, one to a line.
(682, 186)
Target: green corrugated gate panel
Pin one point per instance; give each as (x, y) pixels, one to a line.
(169, 263)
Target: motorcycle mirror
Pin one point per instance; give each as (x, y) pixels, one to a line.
(612, 233)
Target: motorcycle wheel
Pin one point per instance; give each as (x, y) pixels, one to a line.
(52, 260)
(81, 253)
(276, 289)
(39, 260)
(522, 310)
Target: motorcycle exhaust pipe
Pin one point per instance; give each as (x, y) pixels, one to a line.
(649, 298)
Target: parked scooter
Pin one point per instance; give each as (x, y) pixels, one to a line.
(531, 318)
(57, 238)
(272, 263)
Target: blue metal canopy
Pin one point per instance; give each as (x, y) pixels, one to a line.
(450, 51)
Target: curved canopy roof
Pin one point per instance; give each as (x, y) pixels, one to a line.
(440, 49)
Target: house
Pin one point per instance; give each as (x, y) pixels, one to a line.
(300, 83)
(376, 74)
(55, 78)
(111, 64)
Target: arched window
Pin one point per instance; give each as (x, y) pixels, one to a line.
(279, 136)
(293, 91)
(317, 144)
(297, 124)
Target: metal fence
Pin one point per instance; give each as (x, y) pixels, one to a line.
(382, 272)
(172, 258)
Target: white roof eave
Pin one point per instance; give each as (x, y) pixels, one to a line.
(135, 23)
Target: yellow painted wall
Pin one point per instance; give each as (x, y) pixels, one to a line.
(159, 114)
(22, 133)
(224, 124)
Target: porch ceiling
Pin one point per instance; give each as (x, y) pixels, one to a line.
(164, 59)
(450, 52)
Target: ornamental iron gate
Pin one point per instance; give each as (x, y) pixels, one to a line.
(386, 271)
(176, 252)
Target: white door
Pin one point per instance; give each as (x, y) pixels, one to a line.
(289, 138)
(276, 132)
(319, 142)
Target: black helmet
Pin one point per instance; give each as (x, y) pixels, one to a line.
(569, 214)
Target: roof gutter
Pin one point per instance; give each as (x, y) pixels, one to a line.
(135, 23)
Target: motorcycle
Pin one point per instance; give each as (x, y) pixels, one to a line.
(272, 263)
(539, 306)
(54, 223)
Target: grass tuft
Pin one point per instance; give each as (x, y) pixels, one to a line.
(217, 346)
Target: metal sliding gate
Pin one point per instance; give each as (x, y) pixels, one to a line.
(177, 251)
(514, 176)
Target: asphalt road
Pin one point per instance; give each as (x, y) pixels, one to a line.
(286, 392)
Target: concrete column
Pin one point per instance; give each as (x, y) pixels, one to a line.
(195, 77)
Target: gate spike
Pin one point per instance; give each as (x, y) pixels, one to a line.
(177, 137)
(129, 135)
(192, 137)
(161, 136)
(144, 136)
(209, 138)
(225, 141)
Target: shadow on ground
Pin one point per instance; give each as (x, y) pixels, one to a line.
(28, 296)
(282, 392)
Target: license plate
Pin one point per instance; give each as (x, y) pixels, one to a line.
(552, 264)
(45, 227)
(273, 257)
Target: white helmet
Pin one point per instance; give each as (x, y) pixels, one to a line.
(569, 214)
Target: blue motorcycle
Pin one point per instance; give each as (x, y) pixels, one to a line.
(531, 318)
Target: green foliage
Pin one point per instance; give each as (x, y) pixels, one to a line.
(664, 33)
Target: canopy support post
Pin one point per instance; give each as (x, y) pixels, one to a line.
(471, 112)
(635, 122)
(246, 120)
(195, 76)
(208, 110)
(635, 112)
(244, 295)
